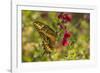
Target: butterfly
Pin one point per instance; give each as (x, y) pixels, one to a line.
(47, 35)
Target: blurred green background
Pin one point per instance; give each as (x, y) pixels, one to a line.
(32, 45)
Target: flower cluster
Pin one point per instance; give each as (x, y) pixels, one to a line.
(65, 17)
(65, 38)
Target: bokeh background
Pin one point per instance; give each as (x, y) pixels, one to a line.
(78, 47)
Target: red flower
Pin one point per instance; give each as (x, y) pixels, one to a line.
(65, 39)
(61, 26)
(65, 17)
(60, 16)
(67, 35)
(65, 42)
